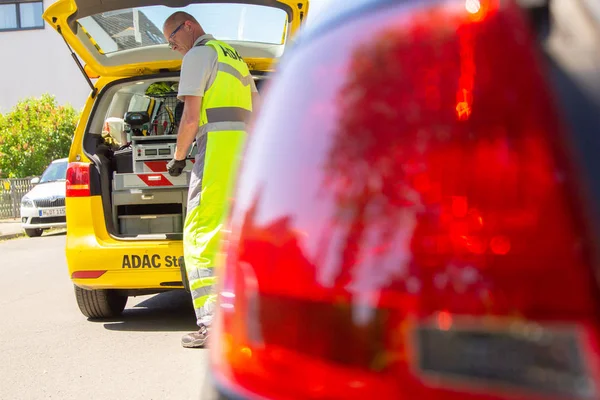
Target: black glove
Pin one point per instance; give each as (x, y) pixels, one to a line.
(175, 167)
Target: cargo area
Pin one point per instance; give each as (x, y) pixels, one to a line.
(130, 138)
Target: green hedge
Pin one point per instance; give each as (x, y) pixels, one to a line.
(32, 134)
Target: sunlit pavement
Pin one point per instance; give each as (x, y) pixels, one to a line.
(49, 350)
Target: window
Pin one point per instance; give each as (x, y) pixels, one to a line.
(21, 15)
(57, 171)
(138, 27)
(8, 16)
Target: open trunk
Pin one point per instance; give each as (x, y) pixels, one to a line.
(130, 138)
(124, 38)
(131, 131)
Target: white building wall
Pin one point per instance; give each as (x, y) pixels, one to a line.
(34, 62)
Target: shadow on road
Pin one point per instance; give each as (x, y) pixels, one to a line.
(165, 312)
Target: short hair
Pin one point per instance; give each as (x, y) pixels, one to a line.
(179, 17)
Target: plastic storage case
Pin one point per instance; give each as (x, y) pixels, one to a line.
(123, 161)
(150, 224)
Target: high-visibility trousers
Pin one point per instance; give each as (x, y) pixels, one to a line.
(211, 185)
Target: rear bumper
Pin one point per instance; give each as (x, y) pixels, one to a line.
(131, 280)
(128, 264)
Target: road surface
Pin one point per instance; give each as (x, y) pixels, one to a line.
(49, 350)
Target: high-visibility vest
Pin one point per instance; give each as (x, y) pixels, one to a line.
(227, 104)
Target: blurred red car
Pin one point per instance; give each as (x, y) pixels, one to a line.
(420, 221)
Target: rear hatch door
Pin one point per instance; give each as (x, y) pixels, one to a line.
(124, 38)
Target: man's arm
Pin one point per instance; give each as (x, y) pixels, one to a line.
(188, 127)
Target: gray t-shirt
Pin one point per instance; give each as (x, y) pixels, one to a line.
(199, 69)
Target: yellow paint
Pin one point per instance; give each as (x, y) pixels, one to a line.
(90, 247)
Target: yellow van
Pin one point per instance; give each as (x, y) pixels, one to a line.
(124, 212)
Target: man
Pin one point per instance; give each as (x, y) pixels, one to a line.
(219, 94)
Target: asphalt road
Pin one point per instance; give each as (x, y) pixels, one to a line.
(49, 350)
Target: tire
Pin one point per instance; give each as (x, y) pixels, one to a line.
(100, 303)
(34, 232)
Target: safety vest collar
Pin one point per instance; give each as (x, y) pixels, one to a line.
(202, 40)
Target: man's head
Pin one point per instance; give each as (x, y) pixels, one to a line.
(181, 31)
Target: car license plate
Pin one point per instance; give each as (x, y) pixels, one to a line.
(52, 212)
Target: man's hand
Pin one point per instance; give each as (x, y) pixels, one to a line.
(175, 167)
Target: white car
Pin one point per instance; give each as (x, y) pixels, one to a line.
(43, 207)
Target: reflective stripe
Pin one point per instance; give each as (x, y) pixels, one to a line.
(222, 126)
(227, 114)
(228, 69)
(205, 306)
(199, 302)
(202, 291)
(205, 282)
(223, 116)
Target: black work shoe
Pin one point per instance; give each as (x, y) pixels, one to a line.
(196, 339)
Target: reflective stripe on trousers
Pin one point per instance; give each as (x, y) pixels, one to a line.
(208, 203)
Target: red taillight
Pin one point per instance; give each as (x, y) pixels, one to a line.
(78, 179)
(406, 224)
(87, 274)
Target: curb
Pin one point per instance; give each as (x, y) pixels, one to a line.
(11, 236)
(8, 236)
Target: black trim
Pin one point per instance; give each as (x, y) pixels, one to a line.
(177, 284)
(141, 292)
(259, 73)
(17, 5)
(49, 203)
(48, 220)
(95, 186)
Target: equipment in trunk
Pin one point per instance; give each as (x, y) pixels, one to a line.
(145, 199)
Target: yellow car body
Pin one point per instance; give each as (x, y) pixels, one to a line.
(100, 263)
(128, 264)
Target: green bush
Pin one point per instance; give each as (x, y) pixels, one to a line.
(35, 132)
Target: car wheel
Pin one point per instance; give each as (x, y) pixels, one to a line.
(34, 232)
(100, 303)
